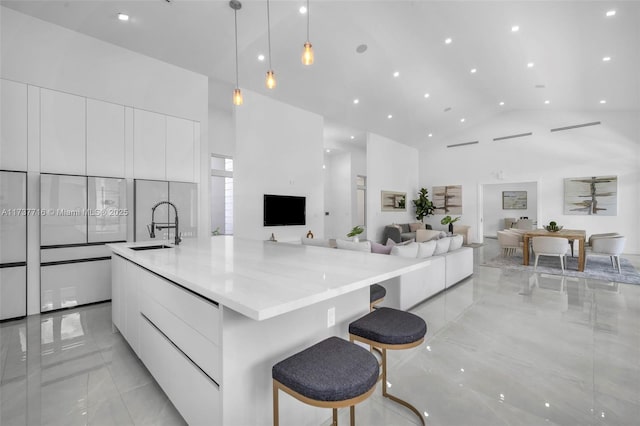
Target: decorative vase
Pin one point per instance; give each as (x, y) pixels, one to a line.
(309, 234)
(451, 228)
(356, 239)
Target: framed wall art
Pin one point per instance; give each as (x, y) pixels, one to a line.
(447, 199)
(514, 200)
(591, 195)
(393, 201)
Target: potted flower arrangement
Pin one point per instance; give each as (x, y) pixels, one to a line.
(357, 230)
(552, 227)
(448, 220)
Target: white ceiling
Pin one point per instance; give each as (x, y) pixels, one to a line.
(566, 40)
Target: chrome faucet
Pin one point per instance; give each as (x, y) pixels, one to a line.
(164, 225)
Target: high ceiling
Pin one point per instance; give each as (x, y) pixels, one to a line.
(565, 41)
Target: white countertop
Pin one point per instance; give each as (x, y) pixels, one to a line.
(262, 279)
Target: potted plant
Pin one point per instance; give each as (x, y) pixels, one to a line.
(424, 206)
(448, 220)
(357, 230)
(553, 227)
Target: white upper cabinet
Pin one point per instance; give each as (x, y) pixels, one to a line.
(180, 149)
(149, 145)
(13, 127)
(105, 139)
(62, 133)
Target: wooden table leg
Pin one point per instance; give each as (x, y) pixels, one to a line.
(525, 250)
(581, 255)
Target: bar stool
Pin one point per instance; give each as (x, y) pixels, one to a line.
(387, 328)
(376, 295)
(333, 373)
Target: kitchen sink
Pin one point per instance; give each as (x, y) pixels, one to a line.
(155, 247)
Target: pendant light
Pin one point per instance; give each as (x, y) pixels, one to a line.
(271, 77)
(237, 93)
(307, 53)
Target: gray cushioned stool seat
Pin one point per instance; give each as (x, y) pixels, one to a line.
(331, 370)
(389, 326)
(376, 292)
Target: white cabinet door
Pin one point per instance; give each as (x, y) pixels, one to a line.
(180, 149)
(13, 292)
(107, 212)
(13, 127)
(13, 219)
(105, 139)
(66, 285)
(149, 145)
(118, 275)
(62, 133)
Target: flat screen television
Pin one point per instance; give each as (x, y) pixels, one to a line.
(284, 210)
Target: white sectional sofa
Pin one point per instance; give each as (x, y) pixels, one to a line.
(446, 267)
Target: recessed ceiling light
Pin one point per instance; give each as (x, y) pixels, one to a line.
(303, 9)
(396, 74)
(426, 95)
(530, 65)
(473, 70)
(547, 102)
(611, 13)
(515, 29)
(327, 151)
(603, 101)
(352, 137)
(389, 116)
(261, 57)
(362, 48)
(430, 135)
(356, 101)
(123, 16)
(501, 103)
(448, 40)
(462, 120)
(606, 59)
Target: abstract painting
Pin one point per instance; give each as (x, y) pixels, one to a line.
(447, 199)
(514, 200)
(591, 195)
(393, 201)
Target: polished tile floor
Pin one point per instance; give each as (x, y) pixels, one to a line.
(503, 348)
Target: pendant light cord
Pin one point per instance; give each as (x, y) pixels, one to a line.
(269, 33)
(235, 17)
(308, 20)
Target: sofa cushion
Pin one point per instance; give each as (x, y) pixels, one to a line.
(380, 248)
(352, 245)
(456, 242)
(442, 245)
(426, 249)
(415, 226)
(392, 243)
(427, 235)
(408, 250)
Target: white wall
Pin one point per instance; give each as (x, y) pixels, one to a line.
(493, 214)
(41, 54)
(391, 166)
(612, 148)
(278, 151)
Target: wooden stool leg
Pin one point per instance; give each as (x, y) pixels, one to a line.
(352, 410)
(335, 417)
(276, 419)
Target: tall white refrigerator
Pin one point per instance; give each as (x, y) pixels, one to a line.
(13, 244)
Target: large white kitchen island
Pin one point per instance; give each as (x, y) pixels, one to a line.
(210, 317)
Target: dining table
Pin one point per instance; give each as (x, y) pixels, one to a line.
(570, 234)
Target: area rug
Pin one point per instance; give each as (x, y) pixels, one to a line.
(597, 267)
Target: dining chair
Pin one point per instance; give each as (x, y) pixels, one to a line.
(509, 242)
(550, 246)
(607, 246)
(524, 224)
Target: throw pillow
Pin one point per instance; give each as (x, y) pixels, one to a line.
(426, 249)
(404, 228)
(380, 248)
(442, 245)
(456, 242)
(409, 250)
(415, 226)
(352, 245)
(427, 234)
(392, 243)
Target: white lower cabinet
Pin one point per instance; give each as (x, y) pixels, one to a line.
(65, 285)
(13, 292)
(176, 334)
(192, 392)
